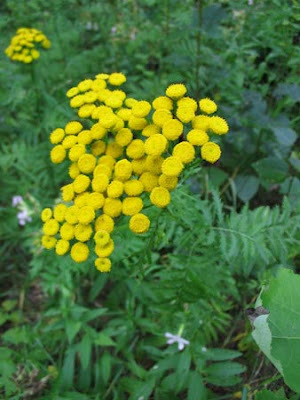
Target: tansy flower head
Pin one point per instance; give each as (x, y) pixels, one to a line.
(123, 158)
(208, 106)
(25, 44)
(176, 91)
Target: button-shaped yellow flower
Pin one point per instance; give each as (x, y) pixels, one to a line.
(197, 137)
(139, 223)
(184, 151)
(132, 205)
(172, 166)
(160, 197)
(210, 152)
(103, 264)
(79, 252)
(104, 222)
(208, 106)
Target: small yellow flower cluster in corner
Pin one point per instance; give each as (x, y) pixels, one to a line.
(131, 149)
(22, 46)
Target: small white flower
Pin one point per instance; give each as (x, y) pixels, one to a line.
(16, 200)
(176, 339)
(113, 30)
(204, 349)
(23, 217)
(250, 2)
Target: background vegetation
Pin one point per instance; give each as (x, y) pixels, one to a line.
(68, 332)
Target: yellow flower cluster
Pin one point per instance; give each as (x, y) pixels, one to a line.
(22, 47)
(131, 151)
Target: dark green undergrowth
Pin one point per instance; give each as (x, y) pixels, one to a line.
(68, 332)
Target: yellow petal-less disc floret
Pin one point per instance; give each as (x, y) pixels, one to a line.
(48, 242)
(100, 182)
(124, 137)
(117, 79)
(185, 114)
(172, 129)
(201, 122)
(102, 237)
(169, 182)
(139, 223)
(57, 136)
(104, 222)
(85, 137)
(150, 130)
(103, 264)
(132, 205)
(123, 170)
(96, 200)
(115, 189)
(162, 102)
(67, 231)
(59, 212)
(62, 247)
(51, 227)
(184, 151)
(76, 152)
(46, 214)
(114, 150)
(133, 187)
(161, 116)
(86, 163)
(72, 92)
(176, 91)
(67, 192)
(156, 144)
(160, 197)
(210, 152)
(141, 109)
(83, 232)
(139, 165)
(98, 148)
(71, 215)
(197, 137)
(69, 141)
(153, 164)
(73, 127)
(79, 252)
(112, 207)
(188, 102)
(86, 215)
(85, 85)
(58, 154)
(137, 123)
(81, 183)
(218, 125)
(104, 251)
(208, 106)
(172, 166)
(149, 181)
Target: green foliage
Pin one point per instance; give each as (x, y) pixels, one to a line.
(68, 332)
(277, 333)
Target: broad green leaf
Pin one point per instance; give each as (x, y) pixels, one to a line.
(105, 366)
(225, 369)
(72, 328)
(196, 389)
(104, 340)
(85, 348)
(68, 368)
(285, 136)
(221, 354)
(268, 395)
(278, 334)
(246, 187)
(271, 169)
(144, 390)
